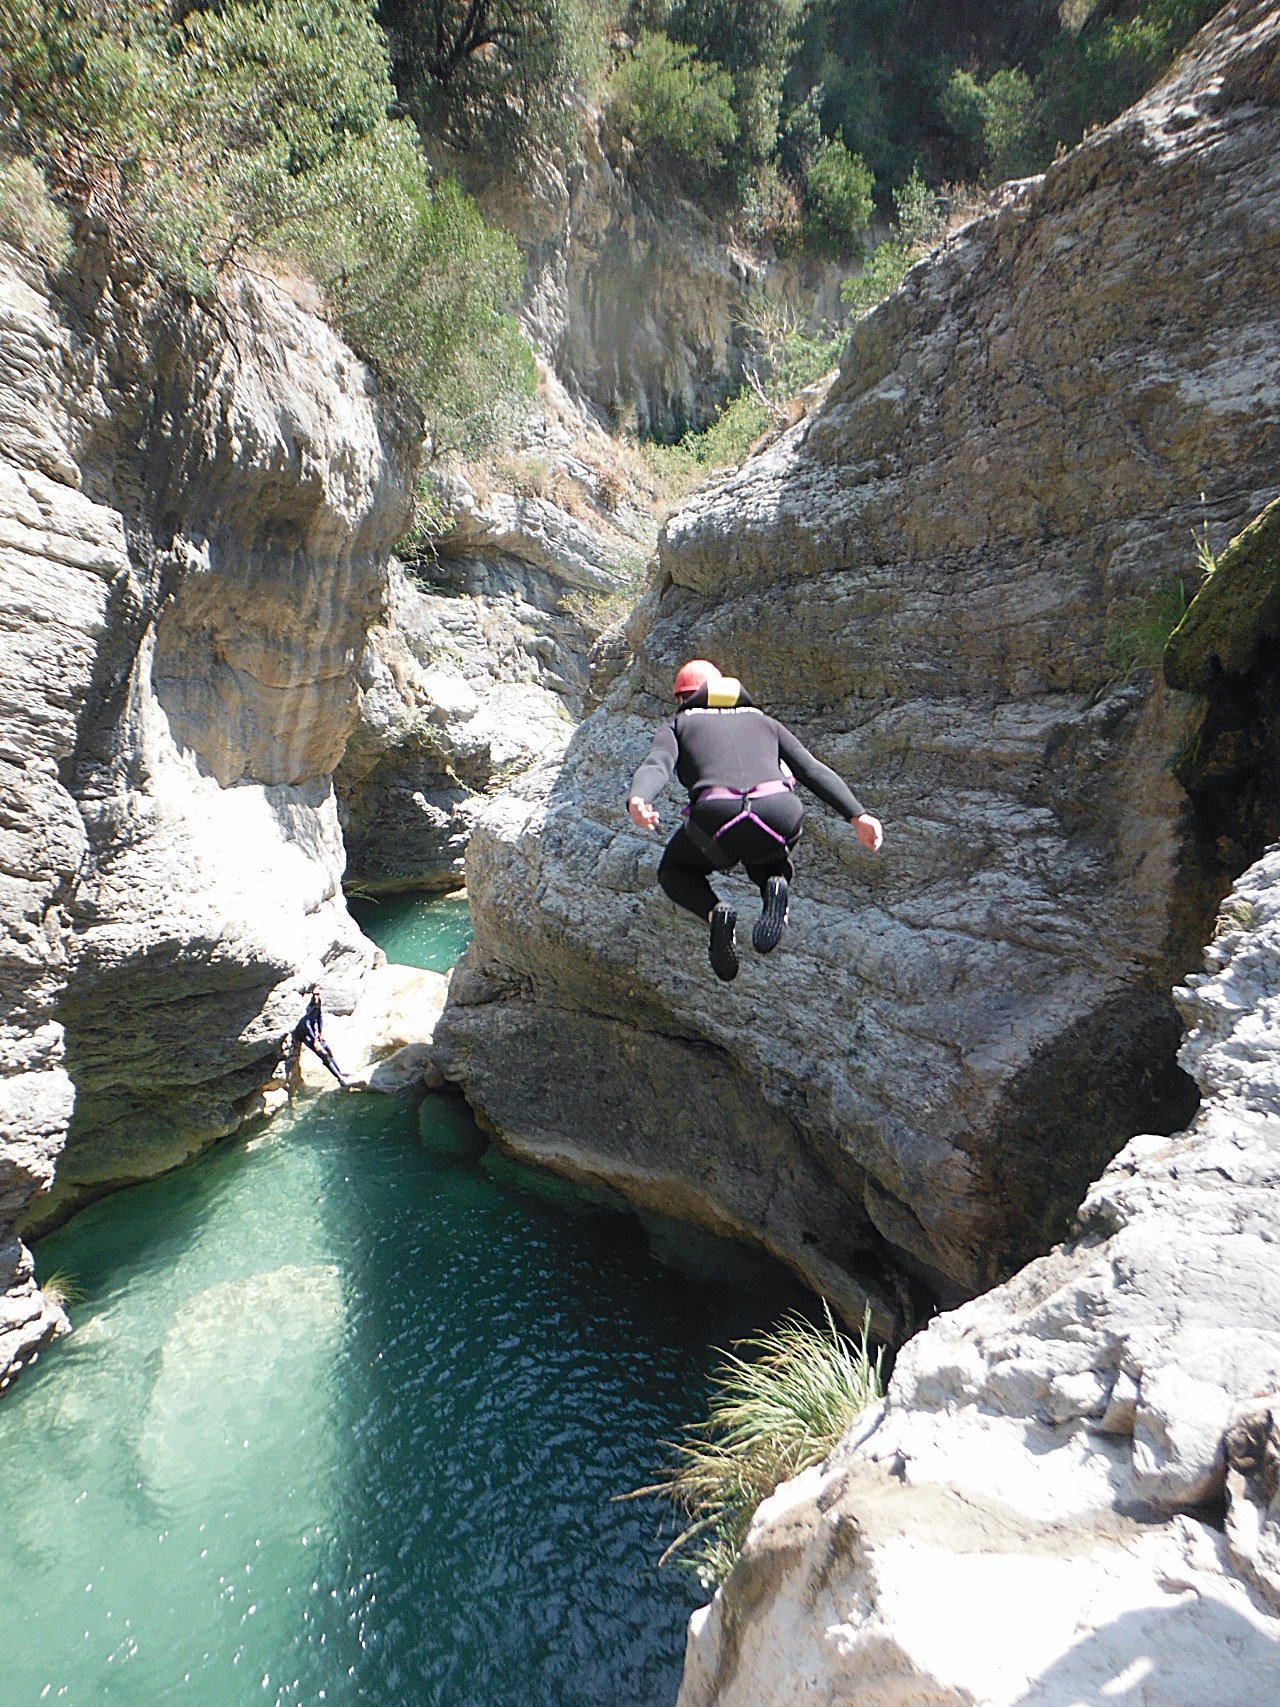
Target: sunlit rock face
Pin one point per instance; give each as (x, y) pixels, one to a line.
(196, 504)
(636, 295)
(934, 580)
(1036, 1514)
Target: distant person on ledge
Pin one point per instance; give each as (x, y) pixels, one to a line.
(740, 768)
(310, 1031)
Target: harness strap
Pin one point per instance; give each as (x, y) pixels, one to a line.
(746, 795)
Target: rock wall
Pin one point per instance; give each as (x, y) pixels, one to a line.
(928, 579)
(482, 664)
(1071, 1491)
(633, 293)
(196, 503)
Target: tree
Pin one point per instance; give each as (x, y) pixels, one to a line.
(838, 186)
(497, 74)
(261, 129)
(663, 97)
(754, 41)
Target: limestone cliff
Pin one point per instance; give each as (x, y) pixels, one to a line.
(1071, 1492)
(482, 664)
(633, 293)
(196, 503)
(926, 579)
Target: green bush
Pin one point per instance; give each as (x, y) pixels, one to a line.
(838, 188)
(664, 97)
(785, 355)
(771, 1415)
(1003, 114)
(261, 129)
(1091, 75)
(771, 211)
(921, 223)
(687, 463)
(27, 216)
(754, 41)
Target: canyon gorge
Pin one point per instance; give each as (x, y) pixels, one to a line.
(993, 1071)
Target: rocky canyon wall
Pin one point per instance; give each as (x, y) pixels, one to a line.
(482, 664)
(1072, 1490)
(197, 500)
(934, 580)
(633, 293)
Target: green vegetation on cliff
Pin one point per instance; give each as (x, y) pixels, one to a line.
(772, 1414)
(259, 133)
(835, 98)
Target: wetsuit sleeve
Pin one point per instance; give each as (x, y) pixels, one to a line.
(820, 779)
(659, 762)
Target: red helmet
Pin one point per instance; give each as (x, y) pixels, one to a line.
(693, 675)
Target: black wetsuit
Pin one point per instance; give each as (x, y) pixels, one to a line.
(736, 747)
(308, 1031)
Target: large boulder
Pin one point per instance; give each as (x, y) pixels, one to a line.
(1072, 1490)
(936, 580)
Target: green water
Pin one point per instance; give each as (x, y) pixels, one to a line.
(342, 1420)
(415, 932)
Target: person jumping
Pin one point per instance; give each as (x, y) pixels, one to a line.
(740, 768)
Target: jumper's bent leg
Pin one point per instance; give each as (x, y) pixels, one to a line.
(683, 876)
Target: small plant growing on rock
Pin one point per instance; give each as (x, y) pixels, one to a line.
(1139, 638)
(922, 222)
(773, 1413)
(62, 1288)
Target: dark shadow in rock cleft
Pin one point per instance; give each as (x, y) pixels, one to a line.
(1070, 1111)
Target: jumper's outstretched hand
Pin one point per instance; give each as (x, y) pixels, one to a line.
(643, 816)
(869, 831)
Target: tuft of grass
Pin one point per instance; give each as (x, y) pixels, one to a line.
(62, 1288)
(1206, 562)
(1138, 640)
(773, 1412)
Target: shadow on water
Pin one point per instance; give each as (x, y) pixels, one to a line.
(343, 1418)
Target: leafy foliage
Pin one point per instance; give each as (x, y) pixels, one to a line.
(999, 117)
(688, 462)
(754, 41)
(28, 217)
(784, 354)
(261, 129)
(921, 223)
(838, 186)
(961, 90)
(664, 97)
(498, 75)
(771, 1415)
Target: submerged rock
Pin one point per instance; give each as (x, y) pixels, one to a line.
(932, 580)
(196, 504)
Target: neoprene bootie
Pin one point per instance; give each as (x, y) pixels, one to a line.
(769, 926)
(723, 949)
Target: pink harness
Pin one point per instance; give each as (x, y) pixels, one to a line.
(760, 790)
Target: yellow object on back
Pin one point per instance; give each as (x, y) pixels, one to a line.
(724, 692)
